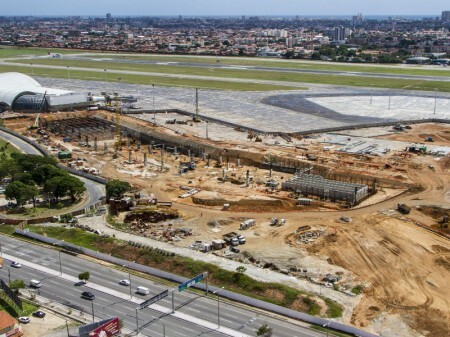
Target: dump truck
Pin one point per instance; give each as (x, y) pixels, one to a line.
(231, 239)
(403, 208)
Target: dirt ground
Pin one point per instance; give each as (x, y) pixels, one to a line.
(402, 268)
(419, 132)
(49, 326)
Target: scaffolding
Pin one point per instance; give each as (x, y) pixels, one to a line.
(315, 185)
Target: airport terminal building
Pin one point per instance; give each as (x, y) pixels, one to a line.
(21, 93)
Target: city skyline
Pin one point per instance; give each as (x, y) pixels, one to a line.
(230, 7)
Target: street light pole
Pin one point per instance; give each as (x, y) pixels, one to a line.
(218, 306)
(60, 264)
(68, 72)
(9, 276)
(154, 110)
(93, 319)
(435, 103)
(137, 322)
(104, 75)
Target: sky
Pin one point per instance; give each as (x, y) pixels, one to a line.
(222, 7)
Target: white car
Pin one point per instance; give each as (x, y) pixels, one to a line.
(24, 319)
(124, 282)
(16, 264)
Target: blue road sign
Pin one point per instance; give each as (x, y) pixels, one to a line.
(192, 281)
(154, 299)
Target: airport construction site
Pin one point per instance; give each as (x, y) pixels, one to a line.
(222, 189)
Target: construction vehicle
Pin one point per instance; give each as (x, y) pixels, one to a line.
(277, 222)
(189, 165)
(231, 239)
(403, 208)
(247, 224)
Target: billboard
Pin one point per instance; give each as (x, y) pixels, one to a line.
(108, 329)
(192, 281)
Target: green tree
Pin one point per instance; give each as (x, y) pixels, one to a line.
(56, 187)
(45, 172)
(24, 177)
(74, 186)
(21, 192)
(116, 188)
(264, 331)
(84, 276)
(29, 162)
(17, 284)
(241, 270)
(8, 168)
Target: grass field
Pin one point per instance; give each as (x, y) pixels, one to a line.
(6, 149)
(395, 69)
(147, 79)
(6, 52)
(357, 81)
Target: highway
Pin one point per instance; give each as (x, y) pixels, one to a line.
(113, 299)
(94, 190)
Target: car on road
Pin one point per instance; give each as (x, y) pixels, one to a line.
(24, 319)
(87, 295)
(79, 283)
(39, 314)
(124, 282)
(15, 264)
(35, 284)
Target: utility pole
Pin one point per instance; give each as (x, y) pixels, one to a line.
(435, 103)
(67, 327)
(68, 72)
(9, 276)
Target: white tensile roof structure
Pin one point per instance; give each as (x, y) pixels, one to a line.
(13, 85)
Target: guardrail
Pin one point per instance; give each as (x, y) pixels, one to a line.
(223, 293)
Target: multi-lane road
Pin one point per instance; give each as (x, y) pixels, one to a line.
(112, 299)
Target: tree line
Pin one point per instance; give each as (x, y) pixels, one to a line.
(32, 176)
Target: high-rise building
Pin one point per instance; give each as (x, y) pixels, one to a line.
(108, 18)
(339, 34)
(446, 16)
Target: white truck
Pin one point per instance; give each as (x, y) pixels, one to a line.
(247, 224)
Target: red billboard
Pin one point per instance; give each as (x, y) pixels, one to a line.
(106, 330)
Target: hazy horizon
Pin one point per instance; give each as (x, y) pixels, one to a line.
(224, 8)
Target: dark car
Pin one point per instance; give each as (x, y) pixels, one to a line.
(39, 314)
(87, 295)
